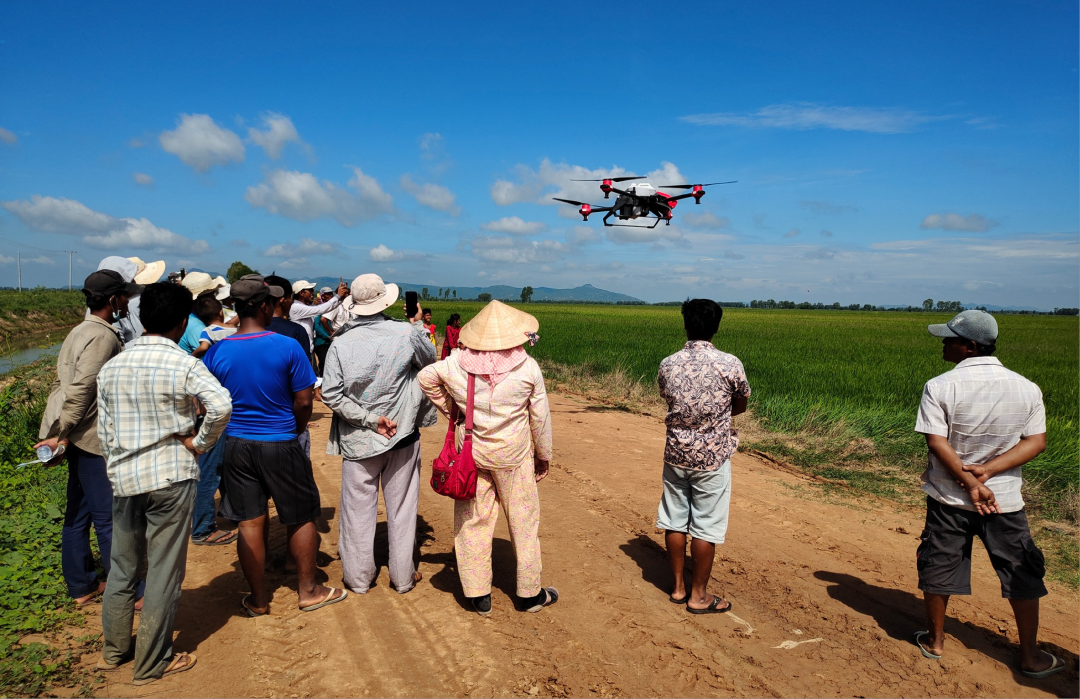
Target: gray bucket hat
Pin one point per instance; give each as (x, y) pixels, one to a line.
(976, 326)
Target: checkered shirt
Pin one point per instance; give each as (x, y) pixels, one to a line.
(145, 396)
(983, 409)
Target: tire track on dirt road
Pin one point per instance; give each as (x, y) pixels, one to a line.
(796, 567)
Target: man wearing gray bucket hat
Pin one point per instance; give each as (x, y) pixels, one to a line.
(982, 422)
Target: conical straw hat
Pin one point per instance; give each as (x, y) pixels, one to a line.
(498, 327)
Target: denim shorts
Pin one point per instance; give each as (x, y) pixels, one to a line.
(696, 502)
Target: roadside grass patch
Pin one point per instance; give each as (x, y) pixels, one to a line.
(33, 597)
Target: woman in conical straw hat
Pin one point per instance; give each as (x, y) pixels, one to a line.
(511, 447)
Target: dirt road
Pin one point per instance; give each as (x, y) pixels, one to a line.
(825, 600)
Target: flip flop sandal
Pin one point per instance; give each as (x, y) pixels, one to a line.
(552, 598)
(712, 608)
(230, 538)
(328, 600)
(925, 651)
(171, 670)
(671, 598)
(248, 610)
(482, 605)
(1055, 667)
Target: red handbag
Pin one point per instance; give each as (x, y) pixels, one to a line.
(453, 472)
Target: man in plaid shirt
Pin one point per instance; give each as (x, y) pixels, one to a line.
(146, 425)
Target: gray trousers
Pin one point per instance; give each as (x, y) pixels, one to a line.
(399, 472)
(158, 522)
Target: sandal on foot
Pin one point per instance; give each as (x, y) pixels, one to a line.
(712, 608)
(1055, 667)
(482, 605)
(552, 596)
(671, 598)
(925, 651)
(328, 600)
(173, 669)
(248, 610)
(223, 536)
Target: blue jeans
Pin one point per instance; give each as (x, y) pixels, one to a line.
(89, 500)
(203, 521)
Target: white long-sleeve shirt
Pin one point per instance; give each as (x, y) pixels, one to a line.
(305, 316)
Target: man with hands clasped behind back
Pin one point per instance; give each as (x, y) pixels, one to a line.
(982, 422)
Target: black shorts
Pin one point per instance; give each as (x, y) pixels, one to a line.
(944, 555)
(255, 471)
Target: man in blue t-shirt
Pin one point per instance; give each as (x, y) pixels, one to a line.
(270, 379)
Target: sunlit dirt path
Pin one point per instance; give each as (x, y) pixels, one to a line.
(825, 599)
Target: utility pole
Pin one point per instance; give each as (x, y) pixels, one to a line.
(70, 253)
(19, 257)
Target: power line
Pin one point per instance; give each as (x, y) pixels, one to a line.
(33, 247)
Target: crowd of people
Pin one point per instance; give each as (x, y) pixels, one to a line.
(185, 402)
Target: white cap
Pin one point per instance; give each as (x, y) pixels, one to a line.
(299, 286)
(370, 295)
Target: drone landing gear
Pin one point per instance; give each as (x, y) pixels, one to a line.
(631, 225)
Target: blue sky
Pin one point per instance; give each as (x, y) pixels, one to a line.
(884, 154)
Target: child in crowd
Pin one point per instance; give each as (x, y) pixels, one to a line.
(430, 326)
(209, 310)
(453, 329)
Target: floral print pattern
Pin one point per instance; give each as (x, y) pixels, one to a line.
(698, 383)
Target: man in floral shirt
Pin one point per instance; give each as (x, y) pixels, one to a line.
(704, 388)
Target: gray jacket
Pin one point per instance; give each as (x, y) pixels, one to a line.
(370, 371)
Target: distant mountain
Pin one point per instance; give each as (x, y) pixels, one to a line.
(502, 292)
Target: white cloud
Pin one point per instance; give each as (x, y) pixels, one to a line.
(972, 223)
(277, 131)
(5, 260)
(554, 180)
(580, 235)
(97, 229)
(506, 249)
(433, 196)
(136, 142)
(792, 233)
(7, 137)
(41, 260)
(381, 253)
(515, 226)
(201, 143)
(731, 255)
(142, 178)
(706, 219)
(827, 234)
(306, 246)
(638, 234)
(301, 196)
(803, 116)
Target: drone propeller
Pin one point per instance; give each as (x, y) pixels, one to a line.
(571, 201)
(691, 186)
(612, 179)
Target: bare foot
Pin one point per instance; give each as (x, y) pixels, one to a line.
(87, 599)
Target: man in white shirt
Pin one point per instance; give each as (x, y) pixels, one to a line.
(982, 422)
(303, 314)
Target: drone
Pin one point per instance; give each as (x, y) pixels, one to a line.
(640, 200)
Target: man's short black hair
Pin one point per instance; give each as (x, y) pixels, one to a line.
(96, 302)
(249, 309)
(286, 286)
(163, 306)
(985, 350)
(701, 318)
(207, 308)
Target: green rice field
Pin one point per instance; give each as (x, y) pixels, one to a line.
(848, 374)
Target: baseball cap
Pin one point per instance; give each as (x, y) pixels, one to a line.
(299, 286)
(252, 287)
(105, 282)
(123, 266)
(976, 326)
(325, 290)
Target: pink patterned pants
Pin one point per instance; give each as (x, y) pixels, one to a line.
(474, 526)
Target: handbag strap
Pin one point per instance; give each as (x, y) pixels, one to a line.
(469, 407)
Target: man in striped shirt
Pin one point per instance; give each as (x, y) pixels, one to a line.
(146, 425)
(982, 423)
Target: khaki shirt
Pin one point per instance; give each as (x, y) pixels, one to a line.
(71, 412)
